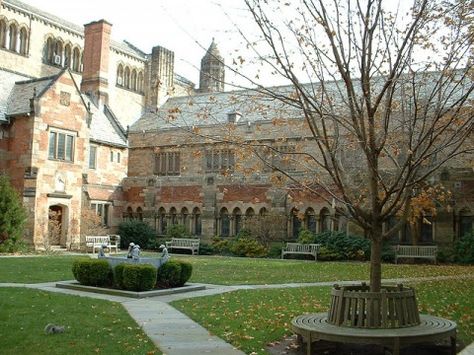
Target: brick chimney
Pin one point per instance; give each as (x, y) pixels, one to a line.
(96, 60)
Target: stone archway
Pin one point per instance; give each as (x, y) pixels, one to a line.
(57, 225)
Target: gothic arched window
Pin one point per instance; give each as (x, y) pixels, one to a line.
(197, 227)
(76, 59)
(12, 40)
(126, 78)
(133, 80)
(3, 33)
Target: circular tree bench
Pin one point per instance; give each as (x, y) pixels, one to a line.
(312, 327)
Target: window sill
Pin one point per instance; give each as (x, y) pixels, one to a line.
(14, 52)
(131, 90)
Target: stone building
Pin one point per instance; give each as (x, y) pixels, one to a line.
(88, 122)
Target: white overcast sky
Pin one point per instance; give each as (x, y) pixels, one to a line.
(183, 26)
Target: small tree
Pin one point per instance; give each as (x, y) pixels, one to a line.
(12, 217)
(385, 93)
(266, 228)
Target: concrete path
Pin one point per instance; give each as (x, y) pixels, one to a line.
(175, 333)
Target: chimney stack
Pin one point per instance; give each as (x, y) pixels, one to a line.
(161, 79)
(96, 60)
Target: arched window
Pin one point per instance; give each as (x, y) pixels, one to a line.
(3, 33)
(76, 59)
(58, 53)
(325, 220)
(129, 213)
(162, 221)
(133, 80)
(173, 216)
(140, 214)
(197, 227)
(23, 41)
(249, 213)
(466, 222)
(296, 222)
(184, 217)
(48, 54)
(237, 214)
(263, 211)
(68, 56)
(310, 220)
(126, 78)
(120, 75)
(12, 32)
(426, 229)
(225, 222)
(140, 82)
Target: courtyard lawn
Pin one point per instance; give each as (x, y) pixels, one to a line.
(34, 269)
(92, 326)
(233, 271)
(252, 319)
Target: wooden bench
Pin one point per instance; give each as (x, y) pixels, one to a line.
(97, 241)
(416, 251)
(298, 248)
(183, 243)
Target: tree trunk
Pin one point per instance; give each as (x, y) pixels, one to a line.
(376, 260)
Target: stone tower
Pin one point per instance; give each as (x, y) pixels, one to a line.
(211, 78)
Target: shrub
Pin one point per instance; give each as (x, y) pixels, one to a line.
(344, 247)
(221, 246)
(138, 277)
(92, 272)
(275, 250)
(169, 274)
(305, 237)
(248, 247)
(12, 218)
(135, 231)
(176, 231)
(206, 249)
(186, 272)
(388, 253)
(464, 249)
(118, 275)
(325, 254)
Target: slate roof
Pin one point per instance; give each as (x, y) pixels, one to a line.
(213, 108)
(15, 100)
(104, 127)
(7, 83)
(24, 91)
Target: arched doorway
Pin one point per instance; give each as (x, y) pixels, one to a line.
(57, 225)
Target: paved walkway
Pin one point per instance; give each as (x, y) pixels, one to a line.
(175, 333)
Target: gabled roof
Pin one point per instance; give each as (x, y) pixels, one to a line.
(24, 91)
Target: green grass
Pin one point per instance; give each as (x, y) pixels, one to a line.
(232, 271)
(251, 319)
(34, 269)
(92, 326)
(241, 271)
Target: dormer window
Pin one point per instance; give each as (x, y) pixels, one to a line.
(234, 117)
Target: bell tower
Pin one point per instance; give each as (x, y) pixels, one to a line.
(212, 74)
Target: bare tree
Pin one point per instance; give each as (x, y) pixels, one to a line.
(389, 91)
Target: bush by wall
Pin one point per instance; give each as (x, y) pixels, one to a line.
(92, 272)
(176, 231)
(246, 246)
(343, 247)
(12, 218)
(138, 277)
(464, 249)
(305, 237)
(135, 231)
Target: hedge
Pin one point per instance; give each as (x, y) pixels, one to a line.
(92, 272)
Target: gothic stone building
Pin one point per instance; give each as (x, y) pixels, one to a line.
(88, 122)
